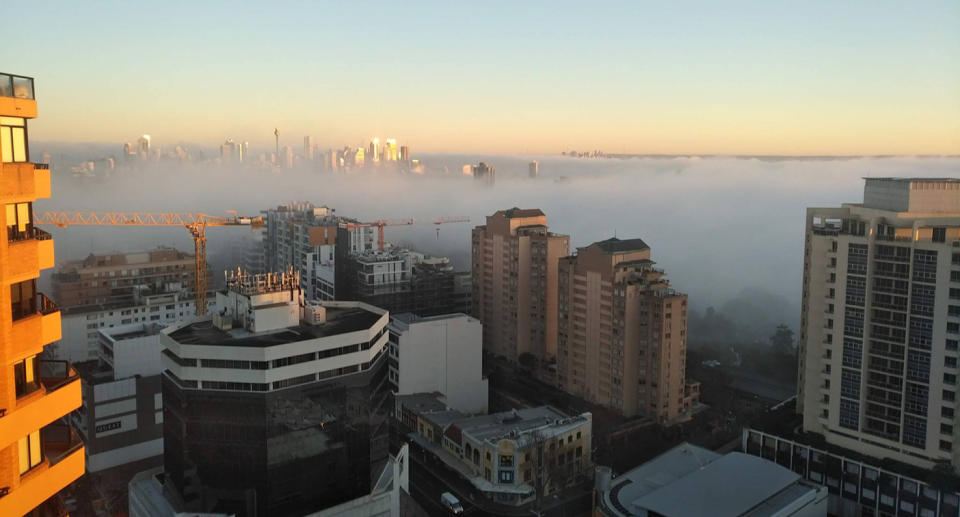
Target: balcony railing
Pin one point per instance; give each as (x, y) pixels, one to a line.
(16, 86)
(55, 374)
(58, 442)
(41, 166)
(31, 233)
(45, 305)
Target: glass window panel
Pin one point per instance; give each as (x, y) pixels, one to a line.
(19, 144)
(23, 216)
(22, 88)
(6, 85)
(12, 121)
(24, 455)
(11, 215)
(6, 145)
(35, 448)
(28, 370)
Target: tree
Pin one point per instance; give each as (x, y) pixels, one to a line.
(782, 338)
(528, 361)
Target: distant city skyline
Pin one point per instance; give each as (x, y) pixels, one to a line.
(816, 78)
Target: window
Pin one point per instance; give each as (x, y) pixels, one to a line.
(24, 376)
(23, 298)
(506, 476)
(30, 455)
(13, 139)
(19, 225)
(506, 460)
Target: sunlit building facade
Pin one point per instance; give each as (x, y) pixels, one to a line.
(622, 339)
(514, 260)
(39, 455)
(880, 327)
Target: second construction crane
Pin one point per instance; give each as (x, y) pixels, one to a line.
(195, 222)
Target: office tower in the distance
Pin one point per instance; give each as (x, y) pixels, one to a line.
(484, 174)
(308, 148)
(534, 169)
(514, 260)
(880, 328)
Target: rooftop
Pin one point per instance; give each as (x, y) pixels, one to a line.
(144, 329)
(498, 425)
(914, 179)
(515, 212)
(689, 481)
(340, 320)
(422, 402)
(409, 317)
(615, 245)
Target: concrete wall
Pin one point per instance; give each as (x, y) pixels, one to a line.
(444, 355)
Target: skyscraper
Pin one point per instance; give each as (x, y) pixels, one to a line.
(484, 173)
(143, 146)
(287, 157)
(404, 153)
(308, 148)
(374, 150)
(621, 338)
(39, 454)
(514, 261)
(534, 167)
(880, 327)
(390, 150)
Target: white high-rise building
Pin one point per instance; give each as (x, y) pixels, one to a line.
(880, 327)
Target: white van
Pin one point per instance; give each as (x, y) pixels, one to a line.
(450, 502)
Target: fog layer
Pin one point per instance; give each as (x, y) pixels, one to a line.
(728, 231)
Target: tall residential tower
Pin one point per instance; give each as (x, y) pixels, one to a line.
(880, 324)
(622, 332)
(515, 282)
(39, 455)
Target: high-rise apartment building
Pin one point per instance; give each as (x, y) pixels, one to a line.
(534, 169)
(514, 260)
(622, 332)
(274, 406)
(39, 455)
(306, 237)
(880, 327)
(114, 278)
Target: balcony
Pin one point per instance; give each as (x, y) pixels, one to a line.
(63, 462)
(16, 96)
(36, 325)
(56, 394)
(30, 252)
(24, 181)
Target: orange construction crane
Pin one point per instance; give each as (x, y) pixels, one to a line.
(381, 223)
(196, 223)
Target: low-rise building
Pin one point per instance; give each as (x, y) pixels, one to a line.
(81, 325)
(121, 420)
(507, 457)
(690, 481)
(441, 354)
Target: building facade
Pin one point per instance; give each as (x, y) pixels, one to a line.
(121, 421)
(115, 278)
(39, 455)
(82, 325)
(441, 354)
(880, 325)
(507, 457)
(622, 332)
(514, 260)
(269, 396)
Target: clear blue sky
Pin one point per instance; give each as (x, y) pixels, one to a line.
(810, 77)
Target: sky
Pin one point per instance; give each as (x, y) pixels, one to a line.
(702, 77)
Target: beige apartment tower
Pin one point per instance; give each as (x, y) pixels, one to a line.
(622, 332)
(515, 283)
(880, 325)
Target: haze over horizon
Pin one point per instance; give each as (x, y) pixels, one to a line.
(818, 78)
